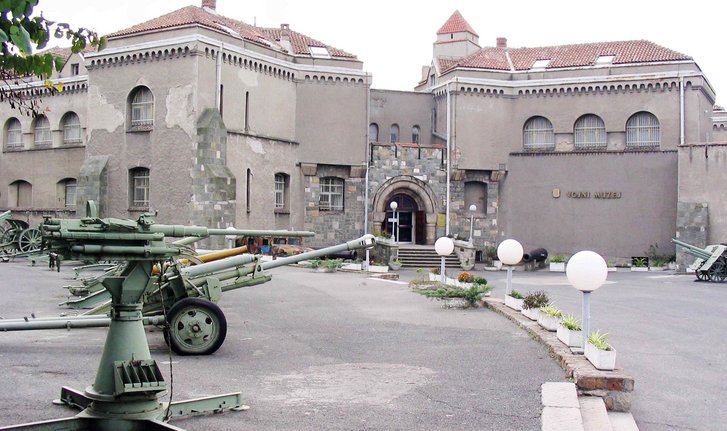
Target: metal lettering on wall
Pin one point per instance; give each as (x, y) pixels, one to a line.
(588, 195)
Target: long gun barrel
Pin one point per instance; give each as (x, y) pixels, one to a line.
(692, 250)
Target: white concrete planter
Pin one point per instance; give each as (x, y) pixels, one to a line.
(531, 313)
(601, 359)
(549, 323)
(570, 338)
(639, 268)
(657, 268)
(557, 266)
(434, 277)
(378, 268)
(463, 285)
(351, 266)
(612, 269)
(514, 303)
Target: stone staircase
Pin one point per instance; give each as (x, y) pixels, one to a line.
(564, 410)
(424, 256)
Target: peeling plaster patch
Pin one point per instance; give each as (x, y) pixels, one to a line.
(366, 383)
(180, 109)
(105, 115)
(248, 78)
(256, 146)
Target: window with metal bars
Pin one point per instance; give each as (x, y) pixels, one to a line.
(280, 191)
(41, 132)
(642, 131)
(538, 134)
(590, 132)
(69, 187)
(142, 108)
(331, 195)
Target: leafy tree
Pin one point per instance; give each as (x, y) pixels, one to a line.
(21, 34)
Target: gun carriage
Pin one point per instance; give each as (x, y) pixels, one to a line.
(711, 262)
(17, 237)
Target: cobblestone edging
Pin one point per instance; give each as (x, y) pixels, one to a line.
(615, 387)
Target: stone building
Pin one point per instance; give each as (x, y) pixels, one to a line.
(215, 122)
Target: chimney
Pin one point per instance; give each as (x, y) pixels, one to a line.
(502, 42)
(285, 37)
(209, 4)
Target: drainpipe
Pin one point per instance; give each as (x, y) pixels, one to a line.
(681, 111)
(366, 181)
(449, 138)
(218, 76)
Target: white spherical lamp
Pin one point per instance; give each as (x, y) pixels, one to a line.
(444, 246)
(586, 271)
(393, 205)
(510, 252)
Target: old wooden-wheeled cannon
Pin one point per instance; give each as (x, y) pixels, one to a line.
(17, 237)
(711, 262)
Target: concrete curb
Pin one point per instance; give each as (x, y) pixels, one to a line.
(615, 387)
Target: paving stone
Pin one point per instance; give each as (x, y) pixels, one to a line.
(561, 419)
(559, 394)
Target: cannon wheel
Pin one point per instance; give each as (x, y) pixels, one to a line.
(718, 271)
(702, 275)
(29, 240)
(195, 327)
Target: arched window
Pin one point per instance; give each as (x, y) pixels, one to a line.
(71, 128)
(373, 132)
(139, 187)
(142, 108)
(41, 132)
(394, 133)
(20, 194)
(67, 192)
(282, 187)
(590, 132)
(642, 130)
(538, 134)
(13, 134)
(415, 134)
(331, 195)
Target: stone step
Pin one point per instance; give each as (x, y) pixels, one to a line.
(593, 412)
(621, 421)
(561, 410)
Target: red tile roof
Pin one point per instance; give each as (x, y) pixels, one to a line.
(197, 16)
(455, 24)
(563, 56)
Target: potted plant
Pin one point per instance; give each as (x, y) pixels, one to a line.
(639, 263)
(378, 267)
(395, 264)
(569, 331)
(514, 300)
(611, 266)
(550, 318)
(557, 263)
(532, 303)
(599, 351)
(465, 280)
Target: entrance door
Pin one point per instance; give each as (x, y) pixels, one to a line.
(405, 212)
(421, 227)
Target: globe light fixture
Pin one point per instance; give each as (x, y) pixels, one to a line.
(444, 246)
(510, 252)
(586, 271)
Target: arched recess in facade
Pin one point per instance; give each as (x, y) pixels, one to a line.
(418, 191)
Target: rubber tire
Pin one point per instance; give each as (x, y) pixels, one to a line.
(177, 330)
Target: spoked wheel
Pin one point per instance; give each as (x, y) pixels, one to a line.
(29, 240)
(701, 275)
(718, 271)
(195, 327)
(7, 242)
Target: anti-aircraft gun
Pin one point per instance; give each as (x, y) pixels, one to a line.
(128, 384)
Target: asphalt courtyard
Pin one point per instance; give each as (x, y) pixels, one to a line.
(343, 351)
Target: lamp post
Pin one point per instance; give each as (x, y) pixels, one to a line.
(473, 208)
(510, 252)
(586, 271)
(394, 221)
(444, 246)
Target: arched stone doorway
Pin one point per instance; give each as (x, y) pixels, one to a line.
(416, 207)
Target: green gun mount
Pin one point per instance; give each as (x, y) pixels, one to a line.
(126, 392)
(711, 262)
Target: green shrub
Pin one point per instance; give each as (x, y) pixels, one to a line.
(515, 294)
(536, 300)
(471, 295)
(551, 311)
(599, 340)
(480, 280)
(558, 258)
(570, 322)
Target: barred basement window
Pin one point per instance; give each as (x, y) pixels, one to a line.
(590, 132)
(331, 197)
(642, 130)
(538, 134)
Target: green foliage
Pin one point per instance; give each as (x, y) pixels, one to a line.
(471, 295)
(465, 277)
(570, 322)
(480, 280)
(558, 258)
(490, 254)
(515, 294)
(640, 261)
(315, 263)
(599, 340)
(434, 271)
(657, 258)
(536, 300)
(333, 264)
(551, 311)
(20, 34)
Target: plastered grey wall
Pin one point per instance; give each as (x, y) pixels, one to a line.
(636, 208)
(406, 109)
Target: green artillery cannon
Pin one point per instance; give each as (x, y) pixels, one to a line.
(126, 392)
(17, 238)
(711, 262)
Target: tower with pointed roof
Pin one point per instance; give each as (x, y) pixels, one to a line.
(456, 38)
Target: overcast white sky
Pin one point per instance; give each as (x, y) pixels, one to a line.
(394, 38)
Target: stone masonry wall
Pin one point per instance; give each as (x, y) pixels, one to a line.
(692, 228)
